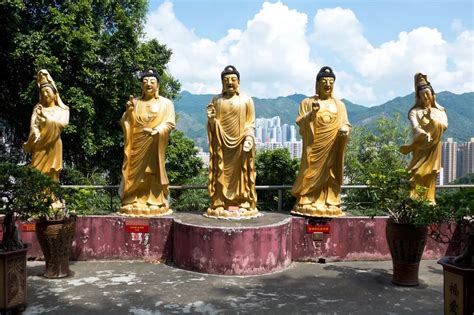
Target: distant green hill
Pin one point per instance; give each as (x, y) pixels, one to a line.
(460, 109)
(192, 120)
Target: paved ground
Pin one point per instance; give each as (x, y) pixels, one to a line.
(135, 287)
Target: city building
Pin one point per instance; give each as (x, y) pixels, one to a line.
(457, 160)
(204, 156)
(270, 135)
(449, 160)
(465, 158)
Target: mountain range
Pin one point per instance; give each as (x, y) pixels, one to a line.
(192, 119)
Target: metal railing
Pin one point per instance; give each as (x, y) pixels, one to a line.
(113, 189)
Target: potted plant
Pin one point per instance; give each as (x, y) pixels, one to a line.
(407, 226)
(25, 193)
(457, 210)
(36, 196)
(454, 216)
(55, 232)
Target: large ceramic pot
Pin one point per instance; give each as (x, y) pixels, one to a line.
(13, 280)
(55, 238)
(406, 243)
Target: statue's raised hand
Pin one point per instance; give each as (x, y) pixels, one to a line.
(211, 111)
(315, 105)
(130, 103)
(39, 113)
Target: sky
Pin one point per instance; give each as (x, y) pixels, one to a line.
(374, 47)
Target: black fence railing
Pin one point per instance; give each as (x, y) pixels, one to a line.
(107, 200)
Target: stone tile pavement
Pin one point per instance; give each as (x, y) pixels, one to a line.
(147, 288)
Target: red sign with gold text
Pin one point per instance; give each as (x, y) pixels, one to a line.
(318, 229)
(28, 227)
(136, 226)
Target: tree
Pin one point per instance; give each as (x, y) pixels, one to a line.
(182, 163)
(275, 167)
(371, 153)
(185, 167)
(93, 50)
(466, 179)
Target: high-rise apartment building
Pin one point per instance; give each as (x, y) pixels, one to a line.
(465, 160)
(285, 131)
(292, 133)
(270, 135)
(295, 148)
(449, 160)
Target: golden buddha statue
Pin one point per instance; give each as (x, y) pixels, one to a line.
(147, 123)
(50, 116)
(231, 129)
(429, 121)
(324, 128)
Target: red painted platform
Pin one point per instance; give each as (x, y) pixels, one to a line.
(246, 247)
(254, 246)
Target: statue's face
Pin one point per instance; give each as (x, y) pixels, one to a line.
(230, 83)
(426, 97)
(47, 94)
(326, 85)
(150, 85)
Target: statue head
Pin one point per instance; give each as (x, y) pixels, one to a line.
(150, 80)
(325, 82)
(230, 79)
(47, 89)
(424, 93)
(48, 95)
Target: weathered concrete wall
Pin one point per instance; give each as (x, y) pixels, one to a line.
(106, 237)
(351, 238)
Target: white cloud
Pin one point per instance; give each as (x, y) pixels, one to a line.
(462, 55)
(340, 30)
(353, 89)
(272, 56)
(391, 66)
(278, 54)
(457, 26)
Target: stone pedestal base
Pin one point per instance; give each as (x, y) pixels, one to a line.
(237, 214)
(144, 211)
(320, 212)
(246, 247)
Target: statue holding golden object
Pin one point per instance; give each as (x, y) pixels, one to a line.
(231, 133)
(50, 116)
(324, 128)
(146, 125)
(429, 121)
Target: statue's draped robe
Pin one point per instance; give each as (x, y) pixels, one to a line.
(321, 170)
(144, 178)
(426, 160)
(47, 152)
(231, 170)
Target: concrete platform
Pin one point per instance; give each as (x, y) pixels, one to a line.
(244, 247)
(247, 247)
(139, 288)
